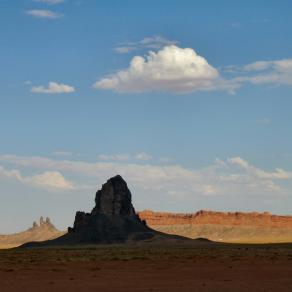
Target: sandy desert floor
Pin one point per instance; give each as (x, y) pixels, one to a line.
(200, 267)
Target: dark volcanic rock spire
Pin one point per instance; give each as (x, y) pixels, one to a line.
(112, 220)
(114, 198)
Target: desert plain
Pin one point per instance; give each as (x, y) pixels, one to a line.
(192, 266)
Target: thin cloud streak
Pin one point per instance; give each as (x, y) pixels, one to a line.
(42, 13)
(50, 2)
(154, 42)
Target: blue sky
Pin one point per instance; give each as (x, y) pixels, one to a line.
(189, 101)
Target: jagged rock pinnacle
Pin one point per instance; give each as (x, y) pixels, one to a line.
(114, 198)
(112, 220)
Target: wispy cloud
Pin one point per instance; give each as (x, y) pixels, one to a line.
(241, 24)
(154, 42)
(231, 177)
(264, 121)
(62, 153)
(143, 156)
(50, 2)
(53, 88)
(114, 157)
(278, 174)
(49, 180)
(276, 72)
(42, 13)
(27, 83)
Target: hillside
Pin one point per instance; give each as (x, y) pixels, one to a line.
(237, 227)
(45, 230)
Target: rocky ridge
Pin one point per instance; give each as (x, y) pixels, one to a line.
(236, 227)
(219, 218)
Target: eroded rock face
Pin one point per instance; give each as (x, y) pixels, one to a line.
(43, 223)
(236, 227)
(113, 219)
(114, 198)
(218, 218)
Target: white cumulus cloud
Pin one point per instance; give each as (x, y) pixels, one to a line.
(172, 69)
(53, 88)
(181, 70)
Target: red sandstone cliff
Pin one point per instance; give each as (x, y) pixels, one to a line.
(219, 218)
(236, 227)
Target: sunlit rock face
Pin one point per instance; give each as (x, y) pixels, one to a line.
(236, 227)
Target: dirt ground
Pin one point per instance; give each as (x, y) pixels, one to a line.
(156, 268)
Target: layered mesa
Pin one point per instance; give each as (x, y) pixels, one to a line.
(238, 227)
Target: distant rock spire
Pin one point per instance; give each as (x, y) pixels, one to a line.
(48, 221)
(42, 222)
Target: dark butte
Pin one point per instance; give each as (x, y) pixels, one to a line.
(112, 220)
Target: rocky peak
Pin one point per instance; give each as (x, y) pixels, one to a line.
(48, 221)
(112, 220)
(114, 198)
(43, 223)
